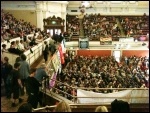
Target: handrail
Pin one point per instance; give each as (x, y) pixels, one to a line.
(74, 105)
(78, 97)
(31, 57)
(42, 108)
(113, 88)
(100, 88)
(111, 97)
(63, 92)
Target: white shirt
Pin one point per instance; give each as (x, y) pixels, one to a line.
(21, 46)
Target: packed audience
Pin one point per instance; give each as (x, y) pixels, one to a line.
(96, 26)
(79, 71)
(135, 25)
(72, 25)
(12, 28)
(103, 72)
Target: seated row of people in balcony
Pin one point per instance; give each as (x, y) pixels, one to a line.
(101, 26)
(134, 25)
(12, 28)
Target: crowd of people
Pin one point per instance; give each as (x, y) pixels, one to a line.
(96, 26)
(103, 72)
(12, 28)
(135, 25)
(72, 25)
(79, 71)
(24, 80)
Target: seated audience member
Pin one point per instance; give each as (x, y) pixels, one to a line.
(39, 38)
(101, 109)
(120, 106)
(62, 107)
(13, 49)
(25, 107)
(32, 42)
(26, 42)
(4, 48)
(21, 45)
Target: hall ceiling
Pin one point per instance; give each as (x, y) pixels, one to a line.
(141, 3)
(78, 2)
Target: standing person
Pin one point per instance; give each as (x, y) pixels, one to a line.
(45, 51)
(26, 107)
(24, 72)
(41, 72)
(33, 89)
(6, 69)
(16, 84)
(41, 75)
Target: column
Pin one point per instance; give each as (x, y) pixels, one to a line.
(44, 9)
(63, 14)
(39, 14)
(39, 17)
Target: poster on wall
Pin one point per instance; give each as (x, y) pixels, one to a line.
(106, 40)
(83, 43)
(141, 37)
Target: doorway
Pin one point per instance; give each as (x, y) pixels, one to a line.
(54, 25)
(117, 55)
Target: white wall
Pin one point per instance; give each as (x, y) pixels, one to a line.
(114, 8)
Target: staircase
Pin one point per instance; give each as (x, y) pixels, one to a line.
(120, 27)
(81, 34)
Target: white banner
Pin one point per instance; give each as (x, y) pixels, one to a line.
(125, 95)
(139, 93)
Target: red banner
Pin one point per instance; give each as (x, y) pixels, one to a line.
(61, 54)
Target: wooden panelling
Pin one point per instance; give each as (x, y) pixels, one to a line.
(135, 52)
(94, 52)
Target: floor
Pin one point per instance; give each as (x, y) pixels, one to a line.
(6, 103)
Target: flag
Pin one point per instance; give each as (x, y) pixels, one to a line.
(52, 80)
(61, 54)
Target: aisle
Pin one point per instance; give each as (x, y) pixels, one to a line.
(6, 103)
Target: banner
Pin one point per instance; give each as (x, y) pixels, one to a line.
(61, 54)
(55, 62)
(106, 40)
(52, 80)
(83, 43)
(126, 95)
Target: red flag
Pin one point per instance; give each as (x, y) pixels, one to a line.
(61, 54)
